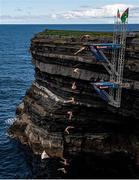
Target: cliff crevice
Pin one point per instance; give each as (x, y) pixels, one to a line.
(65, 120)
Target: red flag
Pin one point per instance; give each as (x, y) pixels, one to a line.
(118, 14)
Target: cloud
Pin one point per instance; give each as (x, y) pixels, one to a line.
(107, 11)
(18, 9)
(5, 17)
(85, 14)
(85, 6)
(22, 17)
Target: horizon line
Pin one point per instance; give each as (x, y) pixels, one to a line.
(61, 24)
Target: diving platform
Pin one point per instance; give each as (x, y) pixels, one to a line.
(111, 91)
(107, 46)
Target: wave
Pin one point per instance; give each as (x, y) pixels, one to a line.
(10, 121)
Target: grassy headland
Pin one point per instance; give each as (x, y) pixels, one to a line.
(75, 33)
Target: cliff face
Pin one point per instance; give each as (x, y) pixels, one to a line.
(62, 114)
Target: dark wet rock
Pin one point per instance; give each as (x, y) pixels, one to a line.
(107, 134)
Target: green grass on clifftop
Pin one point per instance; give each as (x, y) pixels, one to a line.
(74, 33)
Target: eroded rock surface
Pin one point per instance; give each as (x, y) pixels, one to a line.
(66, 121)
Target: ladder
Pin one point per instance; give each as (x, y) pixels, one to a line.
(114, 66)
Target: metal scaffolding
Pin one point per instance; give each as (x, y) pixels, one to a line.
(111, 91)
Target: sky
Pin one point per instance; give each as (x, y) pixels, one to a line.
(66, 11)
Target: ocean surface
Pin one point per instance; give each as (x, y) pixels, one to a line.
(16, 75)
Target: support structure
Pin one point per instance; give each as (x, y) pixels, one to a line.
(111, 91)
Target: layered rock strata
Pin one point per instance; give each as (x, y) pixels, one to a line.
(61, 112)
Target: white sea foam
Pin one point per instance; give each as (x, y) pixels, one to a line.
(10, 121)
